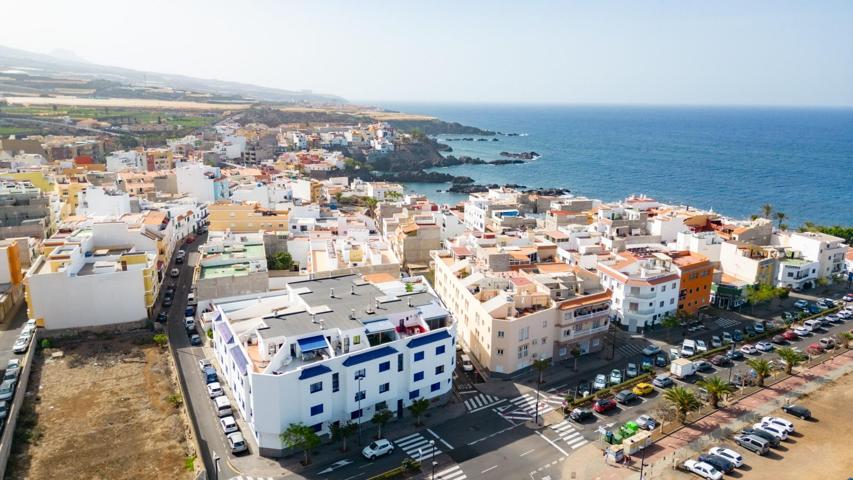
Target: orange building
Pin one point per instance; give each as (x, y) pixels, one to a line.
(696, 273)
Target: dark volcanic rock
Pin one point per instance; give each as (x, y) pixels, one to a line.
(462, 180)
(549, 192)
(506, 162)
(522, 155)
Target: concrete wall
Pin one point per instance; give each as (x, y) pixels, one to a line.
(210, 288)
(17, 401)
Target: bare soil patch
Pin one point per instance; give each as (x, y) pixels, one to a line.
(102, 411)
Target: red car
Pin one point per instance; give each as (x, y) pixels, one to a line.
(190, 239)
(815, 348)
(604, 405)
(790, 335)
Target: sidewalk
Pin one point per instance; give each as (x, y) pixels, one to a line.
(587, 462)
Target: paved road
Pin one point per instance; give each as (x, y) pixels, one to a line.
(10, 333)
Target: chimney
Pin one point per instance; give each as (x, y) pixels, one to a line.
(313, 318)
(410, 302)
(352, 290)
(377, 303)
(352, 314)
(331, 293)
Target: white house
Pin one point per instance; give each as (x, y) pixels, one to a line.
(829, 251)
(123, 160)
(100, 202)
(330, 351)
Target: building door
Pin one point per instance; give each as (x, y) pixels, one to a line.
(400, 408)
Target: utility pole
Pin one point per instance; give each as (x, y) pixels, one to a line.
(432, 444)
(360, 411)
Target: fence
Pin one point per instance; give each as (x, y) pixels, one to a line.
(17, 402)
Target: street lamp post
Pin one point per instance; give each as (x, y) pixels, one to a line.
(360, 412)
(432, 444)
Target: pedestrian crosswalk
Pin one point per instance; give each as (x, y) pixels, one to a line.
(726, 322)
(418, 447)
(453, 473)
(525, 406)
(482, 401)
(568, 433)
(629, 349)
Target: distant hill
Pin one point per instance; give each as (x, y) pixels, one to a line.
(24, 73)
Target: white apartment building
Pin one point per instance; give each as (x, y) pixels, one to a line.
(829, 251)
(708, 244)
(197, 180)
(96, 276)
(123, 160)
(329, 351)
(797, 273)
(381, 190)
(100, 202)
(645, 287)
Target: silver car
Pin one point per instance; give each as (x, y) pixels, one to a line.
(236, 442)
(7, 389)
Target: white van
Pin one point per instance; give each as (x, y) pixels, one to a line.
(466, 363)
(222, 406)
(688, 348)
(191, 299)
(813, 324)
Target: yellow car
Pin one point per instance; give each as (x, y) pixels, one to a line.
(643, 389)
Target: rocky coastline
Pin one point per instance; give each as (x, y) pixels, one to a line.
(521, 155)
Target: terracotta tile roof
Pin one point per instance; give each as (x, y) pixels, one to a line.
(585, 300)
(555, 267)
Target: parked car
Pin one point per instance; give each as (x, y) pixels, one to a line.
(174, 273)
(737, 335)
(466, 363)
(703, 470)
(815, 309)
(759, 327)
(798, 411)
(11, 374)
(204, 363)
(748, 349)
(236, 442)
(189, 323)
(701, 346)
(764, 346)
(581, 414)
(584, 388)
(727, 337)
(228, 424)
(646, 421)
(214, 390)
(801, 304)
(674, 353)
(604, 405)
(377, 448)
(195, 340)
(780, 432)
(167, 302)
(4, 409)
(848, 297)
(662, 381)
(773, 440)
(788, 316)
(827, 342)
(780, 422)
(626, 396)
(631, 370)
(720, 360)
(600, 382)
(735, 355)
(190, 239)
(7, 389)
(21, 345)
(716, 342)
(779, 339)
(749, 330)
(719, 463)
(752, 443)
(802, 331)
(661, 360)
(815, 349)
(643, 388)
(703, 366)
(728, 454)
(791, 335)
(162, 317)
(651, 350)
(615, 376)
(13, 364)
(646, 363)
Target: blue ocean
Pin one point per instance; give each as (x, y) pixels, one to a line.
(731, 160)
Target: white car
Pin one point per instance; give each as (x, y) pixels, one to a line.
(466, 363)
(764, 346)
(748, 349)
(646, 421)
(716, 342)
(703, 470)
(214, 390)
(21, 345)
(780, 422)
(728, 454)
(236, 442)
(377, 449)
(844, 314)
(228, 424)
(189, 323)
(701, 346)
(803, 331)
(204, 363)
(777, 431)
(600, 382)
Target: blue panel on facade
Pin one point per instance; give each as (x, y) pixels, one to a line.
(312, 343)
(311, 372)
(427, 339)
(369, 355)
(239, 359)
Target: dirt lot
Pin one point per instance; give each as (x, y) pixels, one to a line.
(817, 448)
(102, 411)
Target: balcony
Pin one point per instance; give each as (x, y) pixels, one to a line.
(576, 334)
(640, 295)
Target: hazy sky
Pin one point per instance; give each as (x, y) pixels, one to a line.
(648, 52)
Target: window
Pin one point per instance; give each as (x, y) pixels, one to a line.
(419, 356)
(316, 387)
(336, 382)
(435, 386)
(439, 369)
(356, 340)
(661, 303)
(663, 288)
(544, 339)
(500, 352)
(439, 349)
(384, 387)
(360, 395)
(523, 334)
(419, 376)
(317, 427)
(360, 373)
(563, 351)
(381, 406)
(671, 301)
(399, 362)
(414, 394)
(317, 409)
(384, 366)
(500, 334)
(355, 414)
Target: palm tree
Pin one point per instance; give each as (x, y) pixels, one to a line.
(417, 408)
(683, 400)
(780, 217)
(540, 365)
(380, 418)
(576, 352)
(790, 357)
(843, 339)
(717, 389)
(762, 369)
(766, 210)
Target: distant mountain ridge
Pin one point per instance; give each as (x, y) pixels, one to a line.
(68, 65)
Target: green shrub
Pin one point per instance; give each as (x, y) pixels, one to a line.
(161, 339)
(45, 343)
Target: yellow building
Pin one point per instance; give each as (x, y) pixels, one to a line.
(38, 178)
(246, 217)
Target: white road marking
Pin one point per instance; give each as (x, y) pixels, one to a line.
(449, 446)
(551, 442)
(527, 452)
(489, 469)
